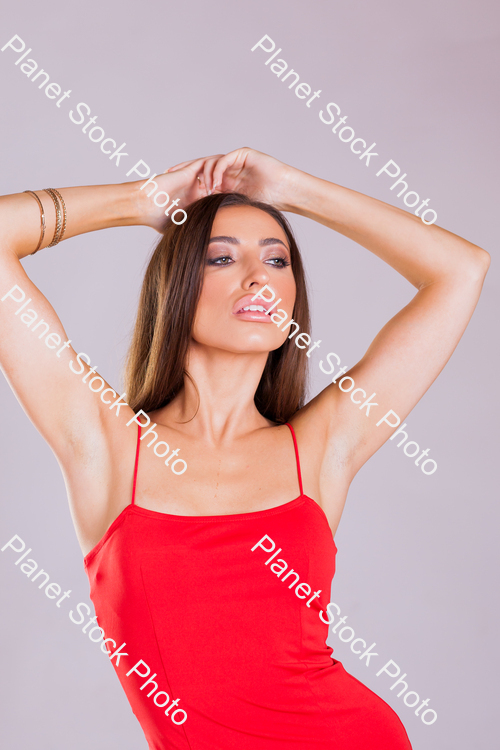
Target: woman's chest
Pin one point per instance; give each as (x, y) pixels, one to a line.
(219, 482)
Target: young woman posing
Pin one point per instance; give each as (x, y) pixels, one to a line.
(170, 558)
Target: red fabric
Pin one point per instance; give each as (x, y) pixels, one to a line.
(245, 656)
(296, 448)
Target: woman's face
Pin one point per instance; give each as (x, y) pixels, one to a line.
(247, 250)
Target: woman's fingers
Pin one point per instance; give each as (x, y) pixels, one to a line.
(207, 174)
(183, 164)
(211, 170)
(223, 164)
(202, 168)
(218, 171)
(208, 169)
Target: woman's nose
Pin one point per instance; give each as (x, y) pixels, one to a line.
(257, 275)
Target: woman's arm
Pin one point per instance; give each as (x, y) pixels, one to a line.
(88, 209)
(74, 421)
(40, 378)
(86, 436)
(423, 254)
(412, 348)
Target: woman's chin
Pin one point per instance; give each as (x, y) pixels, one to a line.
(240, 345)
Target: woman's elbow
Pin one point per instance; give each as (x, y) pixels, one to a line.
(481, 263)
(473, 266)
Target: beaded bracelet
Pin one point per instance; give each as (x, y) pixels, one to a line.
(61, 217)
(57, 231)
(63, 229)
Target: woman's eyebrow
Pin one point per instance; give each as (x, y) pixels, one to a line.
(272, 241)
(235, 240)
(224, 238)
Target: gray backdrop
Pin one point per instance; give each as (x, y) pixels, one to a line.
(417, 554)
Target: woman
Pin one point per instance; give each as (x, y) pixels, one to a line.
(195, 573)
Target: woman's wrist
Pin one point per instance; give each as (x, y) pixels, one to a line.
(117, 205)
(149, 199)
(300, 192)
(136, 207)
(94, 207)
(338, 207)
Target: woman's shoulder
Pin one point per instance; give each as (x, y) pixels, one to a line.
(325, 451)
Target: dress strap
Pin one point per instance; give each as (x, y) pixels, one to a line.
(296, 456)
(136, 462)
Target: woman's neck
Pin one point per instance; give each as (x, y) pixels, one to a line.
(222, 406)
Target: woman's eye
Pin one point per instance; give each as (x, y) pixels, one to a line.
(224, 260)
(279, 262)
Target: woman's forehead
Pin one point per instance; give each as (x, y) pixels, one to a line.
(246, 223)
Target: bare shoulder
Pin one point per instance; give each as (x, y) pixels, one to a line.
(325, 449)
(98, 473)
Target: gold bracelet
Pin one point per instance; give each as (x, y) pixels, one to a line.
(42, 220)
(64, 213)
(57, 230)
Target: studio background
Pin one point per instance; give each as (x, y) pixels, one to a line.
(418, 555)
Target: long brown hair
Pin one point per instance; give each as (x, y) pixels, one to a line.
(155, 368)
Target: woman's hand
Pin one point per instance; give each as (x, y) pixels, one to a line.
(257, 175)
(181, 185)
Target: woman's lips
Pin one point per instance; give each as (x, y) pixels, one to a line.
(257, 313)
(256, 316)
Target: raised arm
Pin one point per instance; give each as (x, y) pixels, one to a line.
(39, 360)
(409, 352)
(413, 347)
(31, 353)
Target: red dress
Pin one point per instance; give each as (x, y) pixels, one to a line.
(219, 647)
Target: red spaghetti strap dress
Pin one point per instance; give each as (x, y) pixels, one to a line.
(212, 625)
